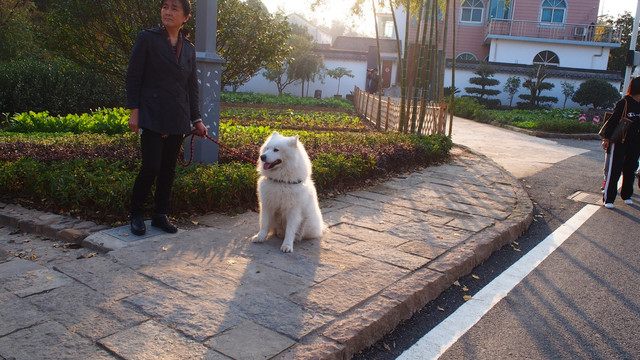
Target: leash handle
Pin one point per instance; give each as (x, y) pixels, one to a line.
(219, 144)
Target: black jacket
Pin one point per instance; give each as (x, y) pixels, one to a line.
(164, 88)
(633, 113)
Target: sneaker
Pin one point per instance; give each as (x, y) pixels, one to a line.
(628, 202)
(608, 205)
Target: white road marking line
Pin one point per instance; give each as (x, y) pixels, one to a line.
(440, 338)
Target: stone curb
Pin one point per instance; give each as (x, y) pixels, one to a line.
(58, 227)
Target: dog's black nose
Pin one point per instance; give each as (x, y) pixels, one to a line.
(263, 157)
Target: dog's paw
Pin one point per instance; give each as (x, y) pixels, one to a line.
(259, 237)
(287, 247)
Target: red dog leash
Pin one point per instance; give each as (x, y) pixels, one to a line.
(219, 144)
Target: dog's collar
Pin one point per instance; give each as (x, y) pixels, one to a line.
(286, 182)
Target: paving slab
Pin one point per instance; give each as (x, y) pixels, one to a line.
(25, 278)
(49, 341)
(17, 313)
(86, 312)
(250, 341)
(151, 341)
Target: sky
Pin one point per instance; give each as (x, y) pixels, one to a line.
(341, 10)
(617, 7)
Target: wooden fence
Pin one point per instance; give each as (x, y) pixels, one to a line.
(366, 105)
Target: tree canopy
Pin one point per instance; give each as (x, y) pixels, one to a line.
(100, 34)
(249, 39)
(536, 84)
(16, 28)
(618, 56)
(597, 93)
(338, 73)
(484, 79)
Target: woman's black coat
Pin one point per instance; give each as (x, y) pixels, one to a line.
(164, 88)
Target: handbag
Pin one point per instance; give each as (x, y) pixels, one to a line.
(619, 134)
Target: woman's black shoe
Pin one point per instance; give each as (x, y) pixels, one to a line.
(161, 222)
(137, 225)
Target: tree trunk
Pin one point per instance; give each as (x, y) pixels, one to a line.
(400, 68)
(416, 79)
(375, 16)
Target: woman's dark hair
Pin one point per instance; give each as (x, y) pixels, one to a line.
(634, 86)
(186, 6)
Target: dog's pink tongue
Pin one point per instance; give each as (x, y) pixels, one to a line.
(266, 166)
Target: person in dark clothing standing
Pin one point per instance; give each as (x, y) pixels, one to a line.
(624, 155)
(162, 93)
(372, 81)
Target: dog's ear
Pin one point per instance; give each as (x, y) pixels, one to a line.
(294, 140)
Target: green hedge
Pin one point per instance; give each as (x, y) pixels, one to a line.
(100, 189)
(56, 86)
(285, 100)
(562, 121)
(91, 176)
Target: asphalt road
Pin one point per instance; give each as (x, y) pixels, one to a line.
(582, 301)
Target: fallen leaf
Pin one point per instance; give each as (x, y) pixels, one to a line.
(475, 277)
(456, 283)
(164, 248)
(386, 346)
(195, 222)
(231, 262)
(439, 308)
(467, 297)
(34, 256)
(465, 288)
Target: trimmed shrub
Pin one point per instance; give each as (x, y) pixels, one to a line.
(597, 93)
(56, 86)
(469, 108)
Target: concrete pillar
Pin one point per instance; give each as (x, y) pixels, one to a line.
(209, 78)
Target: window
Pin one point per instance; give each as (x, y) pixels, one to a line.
(471, 11)
(388, 29)
(499, 10)
(553, 11)
(468, 57)
(546, 58)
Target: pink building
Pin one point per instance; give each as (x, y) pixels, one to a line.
(554, 32)
(514, 35)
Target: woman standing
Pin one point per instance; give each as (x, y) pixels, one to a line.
(162, 93)
(623, 158)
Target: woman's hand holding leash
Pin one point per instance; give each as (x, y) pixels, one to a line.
(200, 129)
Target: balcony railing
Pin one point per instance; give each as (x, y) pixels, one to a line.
(551, 31)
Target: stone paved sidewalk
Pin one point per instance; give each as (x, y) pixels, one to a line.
(209, 293)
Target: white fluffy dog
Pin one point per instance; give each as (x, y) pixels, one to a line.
(286, 194)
